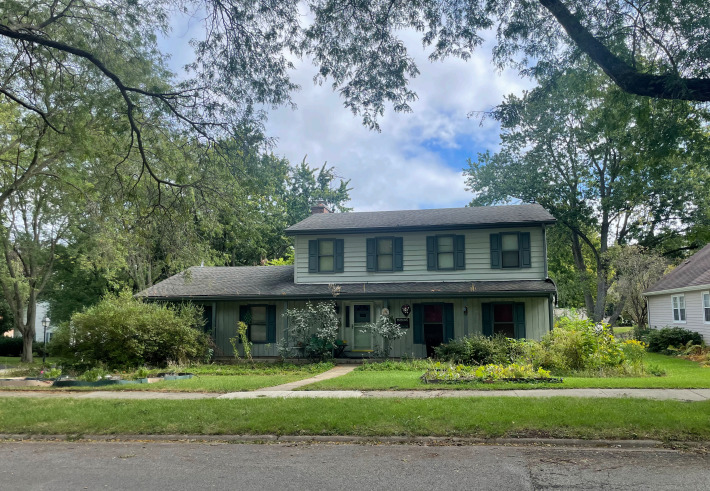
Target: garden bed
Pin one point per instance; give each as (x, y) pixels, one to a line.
(427, 378)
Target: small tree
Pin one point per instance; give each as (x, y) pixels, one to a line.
(313, 328)
(389, 330)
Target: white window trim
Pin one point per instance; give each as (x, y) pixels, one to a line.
(702, 305)
(680, 295)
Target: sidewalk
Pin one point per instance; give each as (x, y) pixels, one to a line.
(690, 395)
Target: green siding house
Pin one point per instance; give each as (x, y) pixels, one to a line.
(442, 274)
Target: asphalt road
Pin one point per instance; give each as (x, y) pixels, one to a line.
(191, 466)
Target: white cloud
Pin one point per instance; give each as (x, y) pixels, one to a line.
(398, 168)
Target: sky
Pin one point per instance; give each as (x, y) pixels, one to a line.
(416, 160)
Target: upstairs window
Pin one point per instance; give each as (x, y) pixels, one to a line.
(446, 252)
(678, 302)
(706, 307)
(510, 250)
(326, 256)
(385, 254)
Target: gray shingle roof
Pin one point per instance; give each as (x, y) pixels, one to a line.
(441, 218)
(694, 271)
(271, 282)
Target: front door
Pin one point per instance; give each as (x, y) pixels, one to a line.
(362, 337)
(433, 327)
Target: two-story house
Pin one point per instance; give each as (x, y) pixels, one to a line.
(441, 273)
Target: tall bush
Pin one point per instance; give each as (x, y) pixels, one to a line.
(390, 331)
(121, 331)
(313, 328)
(659, 340)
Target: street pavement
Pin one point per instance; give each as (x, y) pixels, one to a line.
(306, 466)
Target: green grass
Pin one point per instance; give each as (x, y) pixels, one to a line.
(217, 378)
(561, 417)
(680, 374)
(14, 361)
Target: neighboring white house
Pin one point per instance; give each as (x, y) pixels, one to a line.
(42, 308)
(682, 297)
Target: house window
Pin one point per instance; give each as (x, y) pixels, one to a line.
(510, 250)
(326, 256)
(678, 302)
(385, 254)
(257, 327)
(706, 307)
(503, 320)
(445, 252)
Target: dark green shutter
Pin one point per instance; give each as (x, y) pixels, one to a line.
(339, 255)
(271, 323)
(448, 322)
(398, 254)
(312, 256)
(371, 254)
(418, 321)
(495, 251)
(460, 251)
(243, 313)
(431, 253)
(525, 249)
(487, 319)
(519, 320)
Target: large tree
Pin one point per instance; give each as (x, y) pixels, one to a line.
(599, 160)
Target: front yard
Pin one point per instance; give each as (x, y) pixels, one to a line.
(212, 378)
(680, 374)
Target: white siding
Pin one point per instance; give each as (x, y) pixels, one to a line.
(415, 262)
(661, 312)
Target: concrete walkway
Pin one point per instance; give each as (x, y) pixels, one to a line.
(337, 371)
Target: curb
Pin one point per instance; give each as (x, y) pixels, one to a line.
(656, 445)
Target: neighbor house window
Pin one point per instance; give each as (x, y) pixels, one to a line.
(445, 252)
(257, 327)
(678, 302)
(326, 256)
(706, 307)
(385, 254)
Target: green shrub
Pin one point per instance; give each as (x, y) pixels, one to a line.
(122, 332)
(479, 350)
(659, 340)
(10, 346)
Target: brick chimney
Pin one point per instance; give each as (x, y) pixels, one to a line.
(319, 208)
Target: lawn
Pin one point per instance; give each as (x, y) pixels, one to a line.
(561, 417)
(215, 378)
(680, 374)
(14, 361)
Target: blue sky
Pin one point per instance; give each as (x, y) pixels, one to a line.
(417, 158)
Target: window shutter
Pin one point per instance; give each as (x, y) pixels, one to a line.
(398, 254)
(371, 254)
(487, 319)
(418, 321)
(519, 320)
(271, 323)
(460, 250)
(495, 251)
(339, 255)
(448, 322)
(525, 250)
(431, 253)
(243, 317)
(312, 256)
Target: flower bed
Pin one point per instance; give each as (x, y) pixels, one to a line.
(521, 373)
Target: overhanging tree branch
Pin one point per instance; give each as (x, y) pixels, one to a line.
(671, 86)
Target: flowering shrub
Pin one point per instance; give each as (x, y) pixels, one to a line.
(388, 330)
(313, 328)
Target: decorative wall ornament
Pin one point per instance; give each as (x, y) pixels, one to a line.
(406, 309)
(385, 311)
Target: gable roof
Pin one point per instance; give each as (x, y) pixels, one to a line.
(276, 282)
(434, 219)
(693, 272)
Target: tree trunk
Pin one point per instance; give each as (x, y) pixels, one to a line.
(617, 311)
(582, 270)
(27, 348)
